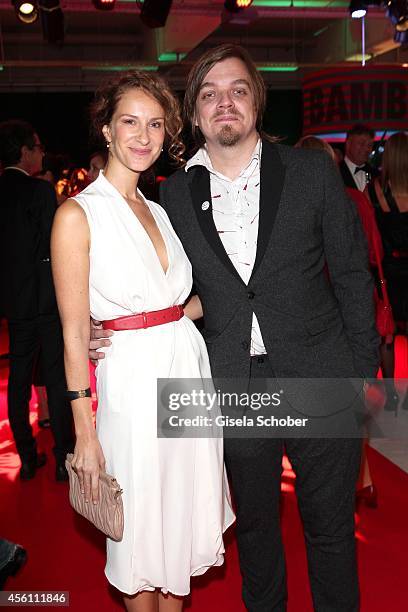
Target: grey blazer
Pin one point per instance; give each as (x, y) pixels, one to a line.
(312, 325)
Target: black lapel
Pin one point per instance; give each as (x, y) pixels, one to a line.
(199, 182)
(272, 179)
(348, 179)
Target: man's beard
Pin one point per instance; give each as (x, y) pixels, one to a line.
(227, 136)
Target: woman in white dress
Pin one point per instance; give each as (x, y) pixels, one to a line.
(115, 254)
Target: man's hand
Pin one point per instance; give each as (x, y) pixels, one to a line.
(99, 338)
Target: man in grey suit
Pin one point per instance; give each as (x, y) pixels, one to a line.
(259, 222)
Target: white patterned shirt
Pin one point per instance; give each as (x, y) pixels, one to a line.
(235, 206)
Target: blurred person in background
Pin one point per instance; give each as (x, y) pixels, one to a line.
(97, 162)
(78, 181)
(28, 301)
(53, 168)
(12, 558)
(389, 195)
(355, 169)
(313, 142)
(339, 156)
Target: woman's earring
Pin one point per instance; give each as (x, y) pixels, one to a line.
(107, 144)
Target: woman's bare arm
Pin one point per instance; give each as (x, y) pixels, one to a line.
(70, 265)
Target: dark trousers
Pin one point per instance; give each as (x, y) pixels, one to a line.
(27, 338)
(326, 475)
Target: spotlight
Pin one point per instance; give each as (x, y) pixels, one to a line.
(357, 8)
(104, 5)
(234, 6)
(27, 12)
(154, 13)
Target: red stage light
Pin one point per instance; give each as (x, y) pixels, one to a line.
(237, 5)
(104, 5)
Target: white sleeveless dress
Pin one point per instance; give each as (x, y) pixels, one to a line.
(175, 493)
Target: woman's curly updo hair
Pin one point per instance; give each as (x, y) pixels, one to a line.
(108, 95)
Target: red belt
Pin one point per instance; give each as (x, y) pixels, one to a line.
(145, 319)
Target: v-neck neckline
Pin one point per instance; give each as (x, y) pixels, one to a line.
(146, 233)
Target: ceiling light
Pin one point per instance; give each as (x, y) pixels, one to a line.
(358, 9)
(27, 12)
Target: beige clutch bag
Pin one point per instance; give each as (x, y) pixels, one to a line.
(107, 514)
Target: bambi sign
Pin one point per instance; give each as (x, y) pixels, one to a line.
(335, 99)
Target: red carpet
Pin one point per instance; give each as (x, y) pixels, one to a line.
(67, 554)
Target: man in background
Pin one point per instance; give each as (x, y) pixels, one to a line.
(27, 207)
(355, 169)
